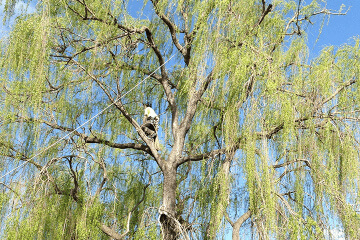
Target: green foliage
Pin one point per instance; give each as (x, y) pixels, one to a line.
(284, 127)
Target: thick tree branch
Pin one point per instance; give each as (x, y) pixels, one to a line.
(203, 156)
(236, 225)
(118, 104)
(307, 162)
(73, 174)
(188, 37)
(211, 154)
(164, 80)
(94, 139)
(288, 206)
(150, 143)
(113, 234)
(265, 12)
(270, 133)
(297, 202)
(287, 171)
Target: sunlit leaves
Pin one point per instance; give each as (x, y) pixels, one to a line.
(287, 126)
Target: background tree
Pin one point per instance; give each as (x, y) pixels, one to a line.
(254, 135)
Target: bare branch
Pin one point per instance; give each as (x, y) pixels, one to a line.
(286, 203)
(18, 155)
(307, 162)
(276, 129)
(109, 22)
(113, 234)
(289, 171)
(11, 189)
(288, 91)
(94, 139)
(118, 104)
(73, 174)
(193, 102)
(99, 189)
(297, 202)
(98, 44)
(203, 156)
(337, 91)
(173, 30)
(265, 12)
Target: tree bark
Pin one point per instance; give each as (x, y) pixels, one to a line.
(168, 208)
(236, 226)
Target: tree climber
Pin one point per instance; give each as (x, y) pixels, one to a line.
(151, 124)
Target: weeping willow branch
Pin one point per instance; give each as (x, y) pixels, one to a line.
(185, 51)
(111, 232)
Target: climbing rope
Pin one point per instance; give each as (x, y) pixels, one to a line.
(95, 116)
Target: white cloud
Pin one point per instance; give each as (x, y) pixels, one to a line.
(336, 234)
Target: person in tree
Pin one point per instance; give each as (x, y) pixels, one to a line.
(151, 124)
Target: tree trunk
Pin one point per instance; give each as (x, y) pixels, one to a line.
(168, 208)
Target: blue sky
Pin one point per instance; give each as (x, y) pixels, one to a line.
(20, 7)
(337, 30)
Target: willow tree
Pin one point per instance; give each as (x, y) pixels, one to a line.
(257, 138)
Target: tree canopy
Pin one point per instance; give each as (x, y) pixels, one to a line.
(257, 139)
